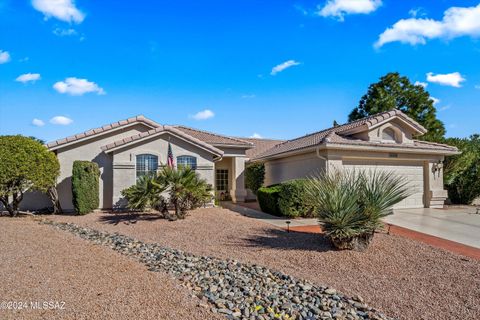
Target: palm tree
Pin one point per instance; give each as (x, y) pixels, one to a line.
(185, 188)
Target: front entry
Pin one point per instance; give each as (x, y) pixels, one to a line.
(221, 184)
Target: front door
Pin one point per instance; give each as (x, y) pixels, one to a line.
(221, 184)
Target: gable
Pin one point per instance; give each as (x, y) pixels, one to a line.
(393, 130)
(106, 130)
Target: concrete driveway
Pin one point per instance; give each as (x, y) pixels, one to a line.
(461, 225)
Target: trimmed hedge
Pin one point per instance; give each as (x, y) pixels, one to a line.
(292, 201)
(85, 189)
(268, 199)
(254, 176)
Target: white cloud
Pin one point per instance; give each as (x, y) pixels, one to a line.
(64, 32)
(4, 56)
(77, 87)
(203, 115)
(256, 136)
(61, 120)
(38, 123)
(282, 66)
(435, 100)
(453, 79)
(456, 22)
(27, 77)
(444, 108)
(420, 83)
(340, 8)
(417, 12)
(248, 96)
(64, 10)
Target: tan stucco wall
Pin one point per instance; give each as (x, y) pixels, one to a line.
(90, 150)
(124, 161)
(293, 167)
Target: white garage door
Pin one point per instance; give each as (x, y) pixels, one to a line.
(413, 171)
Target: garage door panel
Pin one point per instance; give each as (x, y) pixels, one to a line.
(412, 171)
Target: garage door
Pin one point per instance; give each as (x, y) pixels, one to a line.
(413, 171)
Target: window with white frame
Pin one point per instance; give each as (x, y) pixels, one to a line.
(187, 161)
(147, 164)
(221, 179)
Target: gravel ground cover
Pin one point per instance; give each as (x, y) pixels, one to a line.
(236, 290)
(81, 280)
(404, 278)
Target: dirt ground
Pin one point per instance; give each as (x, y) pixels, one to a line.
(78, 280)
(402, 277)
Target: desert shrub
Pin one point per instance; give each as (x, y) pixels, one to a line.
(462, 172)
(85, 180)
(254, 176)
(25, 165)
(268, 199)
(292, 199)
(145, 194)
(350, 205)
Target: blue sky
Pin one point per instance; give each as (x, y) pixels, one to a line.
(74, 65)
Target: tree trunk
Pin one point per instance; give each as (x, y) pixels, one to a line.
(7, 206)
(17, 198)
(358, 243)
(53, 194)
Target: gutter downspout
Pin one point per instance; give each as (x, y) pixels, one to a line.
(317, 151)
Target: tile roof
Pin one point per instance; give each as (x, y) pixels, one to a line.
(260, 146)
(92, 132)
(213, 138)
(159, 130)
(317, 138)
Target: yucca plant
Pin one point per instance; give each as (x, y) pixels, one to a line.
(350, 204)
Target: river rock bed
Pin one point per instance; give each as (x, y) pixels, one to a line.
(234, 289)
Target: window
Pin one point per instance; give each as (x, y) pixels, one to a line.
(388, 135)
(187, 161)
(221, 179)
(146, 164)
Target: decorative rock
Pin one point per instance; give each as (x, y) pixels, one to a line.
(234, 289)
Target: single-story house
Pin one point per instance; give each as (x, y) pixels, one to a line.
(385, 141)
(127, 149)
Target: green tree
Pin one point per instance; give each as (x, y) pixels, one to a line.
(462, 172)
(394, 91)
(254, 176)
(85, 186)
(25, 165)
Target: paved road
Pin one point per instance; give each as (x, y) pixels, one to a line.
(460, 225)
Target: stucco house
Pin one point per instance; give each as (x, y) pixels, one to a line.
(385, 141)
(127, 149)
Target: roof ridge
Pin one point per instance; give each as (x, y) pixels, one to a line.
(93, 131)
(212, 133)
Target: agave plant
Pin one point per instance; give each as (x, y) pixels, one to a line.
(350, 204)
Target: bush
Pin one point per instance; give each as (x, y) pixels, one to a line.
(350, 205)
(268, 199)
(85, 177)
(25, 165)
(292, 200)
(462, 172)
(145, 194)
(254, 176)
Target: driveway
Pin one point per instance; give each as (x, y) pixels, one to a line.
(461, 225)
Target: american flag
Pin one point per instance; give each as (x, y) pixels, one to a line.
(170, 157)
